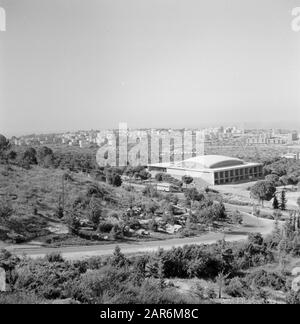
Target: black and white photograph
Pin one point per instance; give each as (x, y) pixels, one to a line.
(149, 155)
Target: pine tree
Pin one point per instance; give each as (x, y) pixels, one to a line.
(298, 221)
(95, 212)
(118, 259)
(283, 200)
(275, 203)
(276, 233)
(162, 282)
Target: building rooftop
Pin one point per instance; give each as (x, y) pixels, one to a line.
(207, 162)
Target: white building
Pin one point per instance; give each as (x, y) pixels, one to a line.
(211, 169)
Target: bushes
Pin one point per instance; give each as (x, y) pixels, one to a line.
(54, 257)
(151, 293)
(119, 279)
(255, 238)
(263, 278)
(22, 228)
(240, 287)
(192, 194)
(111, 285)
(287, 168)
(151, 191)
(190, 261)
(256, 211)
(21, 298)
(293, 298)
(165, 177)
(50, 280)
(89, 235)
(98, 286)
(6, 210)
(237, 217)
(100, 191)
(114, 179)
(237, 288)
(94, 263)
(253, 255)
(210, 293)
(212, 213)
(105, 227)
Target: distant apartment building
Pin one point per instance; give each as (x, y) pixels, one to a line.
(292, 156)
(267, 139)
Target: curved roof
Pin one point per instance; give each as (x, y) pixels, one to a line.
(209, 162)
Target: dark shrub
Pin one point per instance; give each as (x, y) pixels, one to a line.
(263, 278)
(236, 288)
(54, 257)
(105, 227)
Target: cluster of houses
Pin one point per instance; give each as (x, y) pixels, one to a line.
(213, 134)
(80, 138)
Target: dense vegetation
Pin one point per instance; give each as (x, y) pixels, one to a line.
(41, 187)
(233, 269)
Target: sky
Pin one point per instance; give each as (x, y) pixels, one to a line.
(89, 64)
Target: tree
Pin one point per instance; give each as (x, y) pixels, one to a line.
(255, 239)
(150, 191)
(298, 202)
(192, 194)
(275, 203)
(141, 173)
(29, 156)
(237, 217)
(115, 231)
(114, 179)
(159, 176)
(60, 209)
(187, 180)
(263, 191)
(283, 200)
(272, 178)
(118, 259)
(11, 155)
(73, 220)
(153, 226)
(95, 212)
(277, 214)
(4, 143)
(6, 210)
(45, 156)
(285, 180)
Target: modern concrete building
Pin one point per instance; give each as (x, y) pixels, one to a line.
(211, 169)
(292, 156)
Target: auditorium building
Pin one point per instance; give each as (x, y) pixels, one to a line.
(211, 169)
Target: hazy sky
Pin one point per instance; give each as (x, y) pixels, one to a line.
(83, 64)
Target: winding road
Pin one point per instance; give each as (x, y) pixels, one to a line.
(250, 224)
